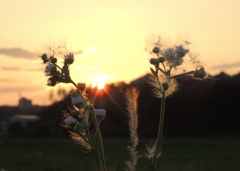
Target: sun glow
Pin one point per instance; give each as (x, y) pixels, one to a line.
(99, 83)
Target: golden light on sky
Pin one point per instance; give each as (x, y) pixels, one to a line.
(108, 38)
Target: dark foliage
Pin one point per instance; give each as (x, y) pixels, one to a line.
(199, 107)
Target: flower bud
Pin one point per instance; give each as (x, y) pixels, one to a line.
(69, 58)
(154, 61)
(81, 86)
(69, 120)
(100, 113)
(161, 59)
(44, 58)
(78, 101)
(156, 49)
(53, 59)
(200, 73)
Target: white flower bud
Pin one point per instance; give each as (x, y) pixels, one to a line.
(100, 113)
(69, 120)
(78, 101)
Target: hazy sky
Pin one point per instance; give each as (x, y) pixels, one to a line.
(112, 36)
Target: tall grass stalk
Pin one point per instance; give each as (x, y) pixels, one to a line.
(131, 98)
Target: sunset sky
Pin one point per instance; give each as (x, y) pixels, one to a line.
(109, 39)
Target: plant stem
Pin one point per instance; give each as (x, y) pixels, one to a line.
(190, 72)
(99, 137)
(101, 149)
(160, 133)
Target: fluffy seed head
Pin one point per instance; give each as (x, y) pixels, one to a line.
(50, 69)
(181, 51)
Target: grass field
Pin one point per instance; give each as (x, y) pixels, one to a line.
(63, 155)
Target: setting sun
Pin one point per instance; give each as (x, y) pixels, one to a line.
(99, 83)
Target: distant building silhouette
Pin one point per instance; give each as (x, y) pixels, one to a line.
(24, 105)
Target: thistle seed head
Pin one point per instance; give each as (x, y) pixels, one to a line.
(50, 69)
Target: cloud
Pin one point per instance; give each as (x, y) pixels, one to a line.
(20, 69)
(17, 53)
(20, 89)
(9, 80)
(226, 66)
(11, 68)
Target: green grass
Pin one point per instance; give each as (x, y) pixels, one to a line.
(63, 155)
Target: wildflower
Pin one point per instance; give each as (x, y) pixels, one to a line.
(81, 86)
(69, 120)
(50, 69)
(100, 113)
(68, 58)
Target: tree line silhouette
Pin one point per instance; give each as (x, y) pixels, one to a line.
(198, 108)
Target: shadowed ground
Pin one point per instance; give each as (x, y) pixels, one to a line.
(55, 154)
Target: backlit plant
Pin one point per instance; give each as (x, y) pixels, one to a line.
(84, 120)
(166, 63)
